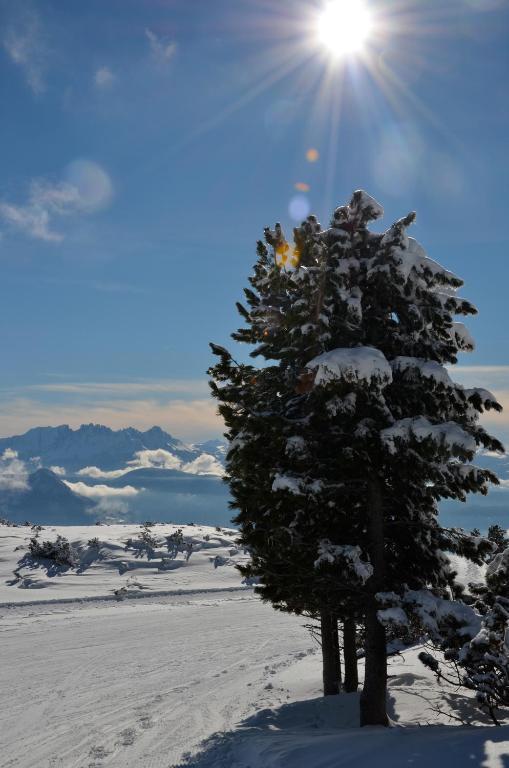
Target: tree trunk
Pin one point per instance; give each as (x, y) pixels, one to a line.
(373, 703)
(330, 654)
(374, 692)
(350, 656)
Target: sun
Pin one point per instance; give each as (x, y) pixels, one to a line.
(344, 27)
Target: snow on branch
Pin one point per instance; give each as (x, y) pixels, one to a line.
(482, 397)
(437, 615)
(364, 206)
(287, 483)
(429, 369)
(295, 485)
(352, 364)
(412, 256)
(461, 337)
(329, 553)
(449, 434)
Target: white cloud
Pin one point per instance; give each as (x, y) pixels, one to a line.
(86, 188)
(158, 459)
(13, 472)
(204, 465)
(101, 491)
(162, 50)
(104, 77)
(105, 474)
(58, 470)
(23, 40)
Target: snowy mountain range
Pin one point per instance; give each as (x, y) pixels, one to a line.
(100, 446)
(61, 475)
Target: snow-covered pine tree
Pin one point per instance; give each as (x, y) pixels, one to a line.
(341, 449)
(475, 644)
(272, 442)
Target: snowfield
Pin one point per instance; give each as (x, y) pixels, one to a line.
(195, 671)
(103, 571)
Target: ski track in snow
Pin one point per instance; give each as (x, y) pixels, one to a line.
(120, 686)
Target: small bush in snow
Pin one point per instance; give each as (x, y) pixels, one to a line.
(146, 542)
(4, 521)
(93, 543)
(60, 551)
(175, 543)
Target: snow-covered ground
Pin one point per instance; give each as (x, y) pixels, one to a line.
(198, 665)
(111, 567)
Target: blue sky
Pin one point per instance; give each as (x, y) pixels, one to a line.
(146, 143)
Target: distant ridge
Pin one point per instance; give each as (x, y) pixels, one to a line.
(96, 445)
(46, 500)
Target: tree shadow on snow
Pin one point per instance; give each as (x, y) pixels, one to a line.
(88, 557)
(324, 733)
(31, 563)
(442, 699)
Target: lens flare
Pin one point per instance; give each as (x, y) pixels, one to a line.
(299, 207)
(287, 255)
(312, 155)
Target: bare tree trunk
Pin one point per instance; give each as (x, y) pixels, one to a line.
(350, 656)
(373, 703)
(330, 654)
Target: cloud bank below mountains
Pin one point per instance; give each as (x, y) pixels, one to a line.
(13, 472)
(98, 492)
(159, 459)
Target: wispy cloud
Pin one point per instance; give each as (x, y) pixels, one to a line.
(103, 286)
(104, 78)
(491, 372)
(85, 188)
(161, 50)
(24, 42)
(30, 219)
(135, 387)
(195, 419)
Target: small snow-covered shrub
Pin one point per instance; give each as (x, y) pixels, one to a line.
(175, 543)
(60, 551)
(8, 523)
(146, 542)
